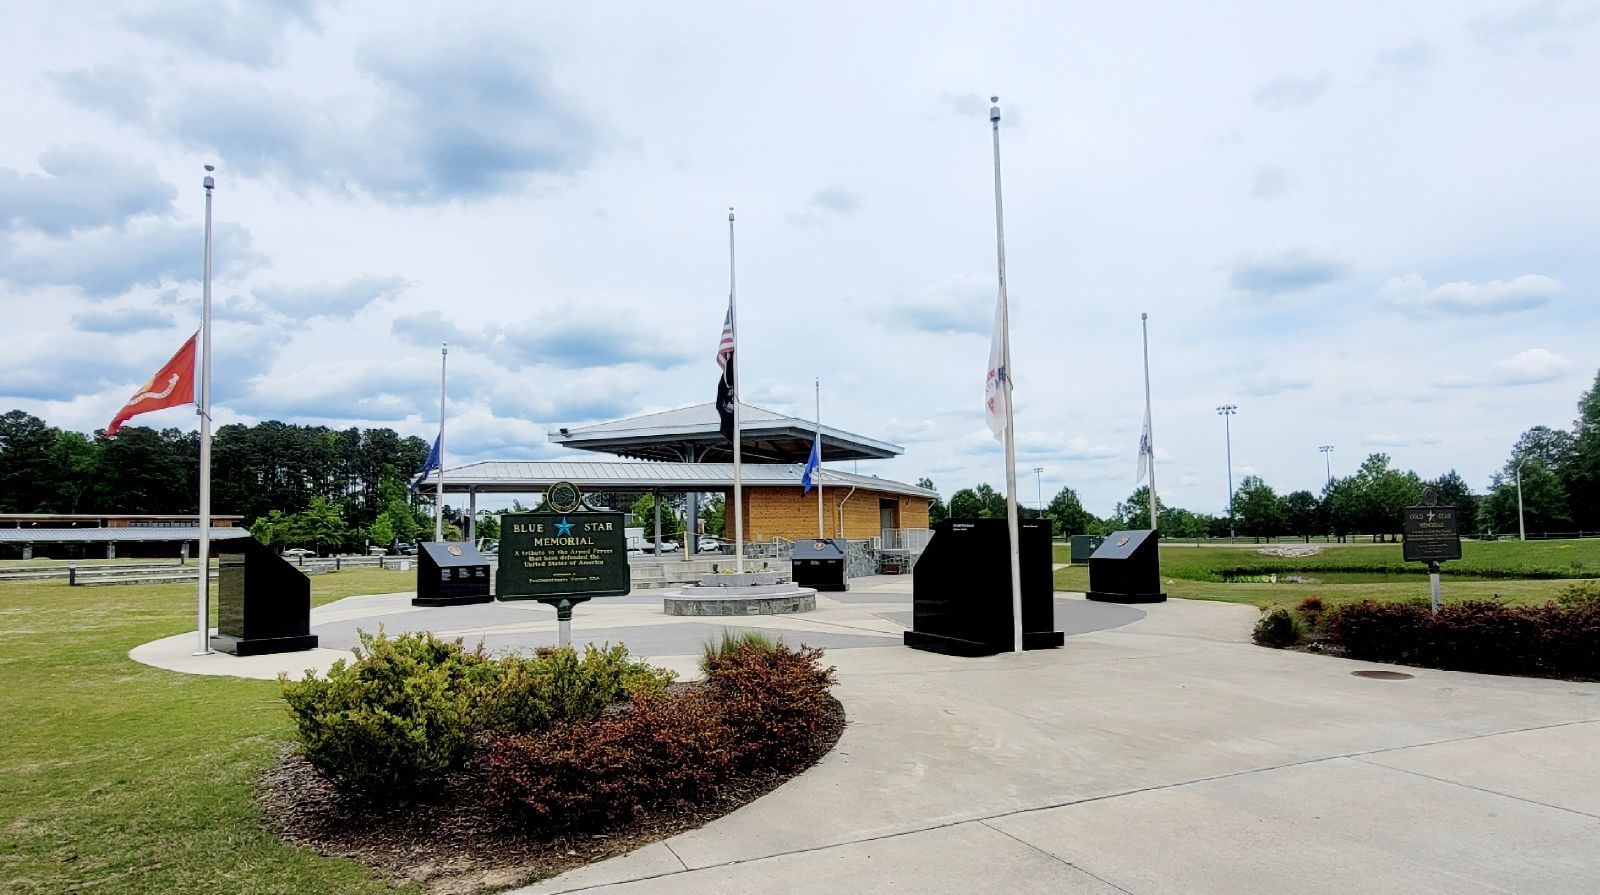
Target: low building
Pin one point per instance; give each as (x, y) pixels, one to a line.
(107, 535)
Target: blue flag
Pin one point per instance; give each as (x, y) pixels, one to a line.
(430, 464)
(813, 464)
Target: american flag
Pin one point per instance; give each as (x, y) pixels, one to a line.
(725, 347)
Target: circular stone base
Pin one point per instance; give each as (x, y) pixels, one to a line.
(756, 599)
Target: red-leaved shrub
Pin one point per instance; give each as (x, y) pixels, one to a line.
(1479, 635)
(762, 707)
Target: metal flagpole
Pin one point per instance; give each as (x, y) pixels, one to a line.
(1005, 362)
(438, 491)
(203, 590)
(1144, 327)
(738, 485)
(820, 532)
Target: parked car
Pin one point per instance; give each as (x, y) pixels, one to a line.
(666, 547)
(299, 551)
(713, 545)
(377, 550)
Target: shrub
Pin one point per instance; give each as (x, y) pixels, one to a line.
(1382, 632)
(555, 685)
(394, 720)
(666, 747)
(1580, 593)
(1311, 605)
(1554, 640)
(1278, 627)
(775, 700)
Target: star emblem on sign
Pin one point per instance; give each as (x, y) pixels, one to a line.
(563, 528)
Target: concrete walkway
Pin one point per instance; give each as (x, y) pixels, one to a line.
(1154, 753)
(1165, 756)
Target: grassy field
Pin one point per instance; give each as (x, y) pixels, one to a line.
(1513, 571)
(117, 777)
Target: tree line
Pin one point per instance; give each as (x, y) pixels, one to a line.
(1560, 476)
(306, 485)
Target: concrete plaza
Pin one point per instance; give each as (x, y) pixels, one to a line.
(1157, 752)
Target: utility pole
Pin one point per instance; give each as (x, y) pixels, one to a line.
(1226, 411)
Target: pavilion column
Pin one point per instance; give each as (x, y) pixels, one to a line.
(472, 515)
(656, 501)
(111, 550)
(27, 551)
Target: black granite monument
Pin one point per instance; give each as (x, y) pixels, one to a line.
(820, 563)
(1126, 569)
(263, 602)
(451, 574)
(961, 589)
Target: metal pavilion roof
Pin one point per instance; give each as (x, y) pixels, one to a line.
(525, 477)
(121, 535)
(766, 437)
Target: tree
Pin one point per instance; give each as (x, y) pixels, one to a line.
(1302, 514)
(644, 515)
(1067, 514)
(1135, 511)
(715, 515)
(488, 525)
(1544, 502)
(1453, 491)
(1581, 472)
(1257, 509)
(991, 503)
(381, 531)
(1381, 495)
(964, 504)
(937, 512)
(321, 526)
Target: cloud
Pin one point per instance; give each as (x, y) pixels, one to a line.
(86, 187)
(1540, 20)
(1406, 59)
(331, 300)
(245, 32)
(570, 397)
(374, 390)
(825, 204)
(962, 304)
(1269, 181)
(1262, 385)
(588, 340)
(107, 262)
(1286, 270)
(1292, 91)
(463, 119)
(121, 91)
(1531, 367)
(1036, 446)
(898, 431)
(1381, 439)
(1410, 294)
(122, 320)
(429, 328)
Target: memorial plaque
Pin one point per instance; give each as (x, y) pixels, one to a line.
(451, 575)
(1126, 568)
(820, 563)
(552, 555)
(961, 589)
(263, 602)
(1430, 534)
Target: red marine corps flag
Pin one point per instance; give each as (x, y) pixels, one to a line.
(172, 386)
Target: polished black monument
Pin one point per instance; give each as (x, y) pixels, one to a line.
(961, 589)
(819, 563)
(451, 574)
(1126, 569)
(263, 602)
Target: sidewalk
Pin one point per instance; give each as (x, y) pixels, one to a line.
(1164, 756)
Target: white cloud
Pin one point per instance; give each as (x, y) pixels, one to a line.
(1292, 91)
(1261, 385)
(1286, 270)
(1411, 294)
(1534, 366)
(1384, 439)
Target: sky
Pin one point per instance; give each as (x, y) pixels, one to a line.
(1370, 225)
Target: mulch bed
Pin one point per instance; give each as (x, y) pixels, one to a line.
(453, 844)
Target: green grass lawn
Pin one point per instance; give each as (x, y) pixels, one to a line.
(1514, 571)
(117, 777)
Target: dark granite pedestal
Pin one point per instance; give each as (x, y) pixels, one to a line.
(263, 602)
(961, 589)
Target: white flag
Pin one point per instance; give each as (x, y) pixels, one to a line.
(1146, 452)
(997, 388)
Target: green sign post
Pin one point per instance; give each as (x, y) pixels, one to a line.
(562, 555)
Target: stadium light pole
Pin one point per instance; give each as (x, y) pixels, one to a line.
(1226, 411)
(1522, 531)
(1038, 489)
(1327, 464)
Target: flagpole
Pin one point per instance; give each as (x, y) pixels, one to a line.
(738, 484)
(1005, 363)
(203, 589)
(1144, 327)
(819, 457)
(438, 491)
